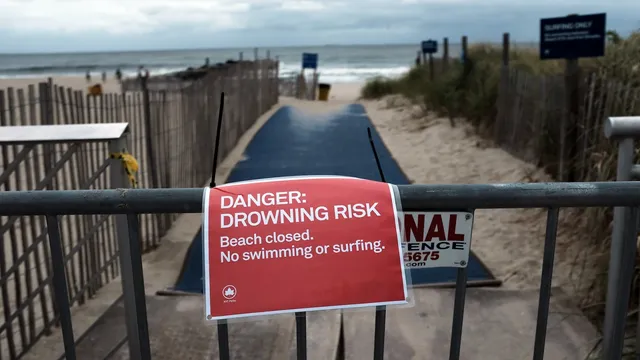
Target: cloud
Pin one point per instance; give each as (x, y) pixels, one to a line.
(302, 5)
(118, 16)
(83, 24)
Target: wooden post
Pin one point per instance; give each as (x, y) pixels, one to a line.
(146, 108)
(445, 54)
(277, 81)
(431, 66)
(50, 111)
(46, 118)
(314, 84)
(568, 131)
(464, 49)
(503, 96)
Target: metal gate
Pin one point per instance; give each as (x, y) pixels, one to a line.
(128, 203)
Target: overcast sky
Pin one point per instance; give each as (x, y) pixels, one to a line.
(94, 25)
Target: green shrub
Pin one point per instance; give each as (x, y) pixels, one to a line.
(379, 87)
(471, 90)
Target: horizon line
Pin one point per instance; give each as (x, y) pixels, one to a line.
(80, 52)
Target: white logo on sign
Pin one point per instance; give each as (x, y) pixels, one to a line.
(229, 292)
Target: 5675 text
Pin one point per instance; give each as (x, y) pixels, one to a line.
(421, 256)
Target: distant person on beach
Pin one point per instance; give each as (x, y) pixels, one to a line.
(88, 76)
(418, 59)
(146, 73)
(104, 76)
(118, 75)
(140, 72)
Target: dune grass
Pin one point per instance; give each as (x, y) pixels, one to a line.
(470, 91)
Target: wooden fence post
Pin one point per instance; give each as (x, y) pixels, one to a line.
(46, 118)
(445, 54)
(503, 96)
(463, 56)
(568, 130)
(146, 108)
(431, 66)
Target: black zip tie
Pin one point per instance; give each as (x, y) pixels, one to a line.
(217, 144)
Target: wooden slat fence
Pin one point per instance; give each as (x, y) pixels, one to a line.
(535, 107)
(172, 137)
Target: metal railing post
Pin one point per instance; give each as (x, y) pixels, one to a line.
(623, 241)
(546, 279)
(130, 264)
(60, 287)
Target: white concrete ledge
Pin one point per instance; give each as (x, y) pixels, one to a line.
(61, 133)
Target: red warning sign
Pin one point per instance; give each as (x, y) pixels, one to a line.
(301, 244)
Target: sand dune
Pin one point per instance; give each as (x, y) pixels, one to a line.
(510, 242)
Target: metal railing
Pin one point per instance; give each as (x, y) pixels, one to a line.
(622, 261)
(128, 203)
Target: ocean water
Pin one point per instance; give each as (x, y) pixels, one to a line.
(335, 64)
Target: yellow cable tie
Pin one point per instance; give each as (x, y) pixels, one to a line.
(130, 165)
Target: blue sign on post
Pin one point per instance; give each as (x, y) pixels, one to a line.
(429, 47)
(573, 36)
(309, 61)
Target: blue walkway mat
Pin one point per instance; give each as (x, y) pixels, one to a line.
(295, 143)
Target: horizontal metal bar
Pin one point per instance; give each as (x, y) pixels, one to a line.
(413, 197)
(622, 127)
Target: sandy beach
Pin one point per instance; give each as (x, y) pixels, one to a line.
(509, 242)
(75, 82)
